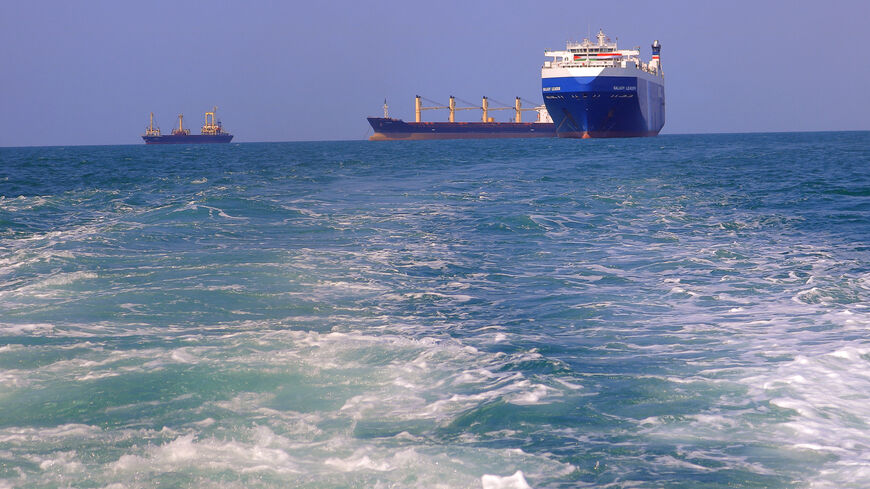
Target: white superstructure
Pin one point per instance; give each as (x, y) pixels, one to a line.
(589, 58)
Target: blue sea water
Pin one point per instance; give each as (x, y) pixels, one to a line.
(681, 311)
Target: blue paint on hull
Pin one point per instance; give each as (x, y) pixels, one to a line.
(188, 139)
(604, 106)
(389, 129)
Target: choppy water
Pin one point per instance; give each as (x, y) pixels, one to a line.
(680, 311)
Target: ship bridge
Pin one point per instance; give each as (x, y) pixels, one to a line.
(601, 54)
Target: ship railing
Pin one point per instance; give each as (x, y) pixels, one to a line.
(597, 64)
(586, 64)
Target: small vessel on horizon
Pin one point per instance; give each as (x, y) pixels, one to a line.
(387, 128)
(211, 132)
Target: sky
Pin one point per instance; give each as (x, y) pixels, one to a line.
(90, 72)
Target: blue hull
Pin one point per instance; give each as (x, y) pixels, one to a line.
(388, 129)
(188, 139)
(604, 106)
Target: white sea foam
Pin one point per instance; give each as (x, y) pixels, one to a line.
(38, 329)
(96, 376)
(826, 393)
(27, 256)
(353, 286)
(438, 295)
(208, 453)
(65, 278)
(529, 393)
(515, 481)
(359, 461)
(22, 202)
(183, 355)
(63, 462)
(18, 435)
(46, 287)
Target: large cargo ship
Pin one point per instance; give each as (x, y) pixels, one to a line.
(389, 129)
(212, 132)
(595, 90)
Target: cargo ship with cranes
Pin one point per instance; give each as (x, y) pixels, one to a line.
(387, 128)
(212, 132)
(595, 90)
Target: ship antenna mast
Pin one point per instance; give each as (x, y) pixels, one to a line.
(386, 111)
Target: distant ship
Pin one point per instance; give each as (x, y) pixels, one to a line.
(389, 129)
(212, 132)
(594, 90)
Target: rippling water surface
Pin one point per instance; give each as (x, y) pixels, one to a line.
(680, 311)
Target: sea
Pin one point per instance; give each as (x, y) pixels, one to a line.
(683, 311)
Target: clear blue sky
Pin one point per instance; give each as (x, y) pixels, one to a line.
(90, 72)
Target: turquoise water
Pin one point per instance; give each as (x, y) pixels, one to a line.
(679, 311)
